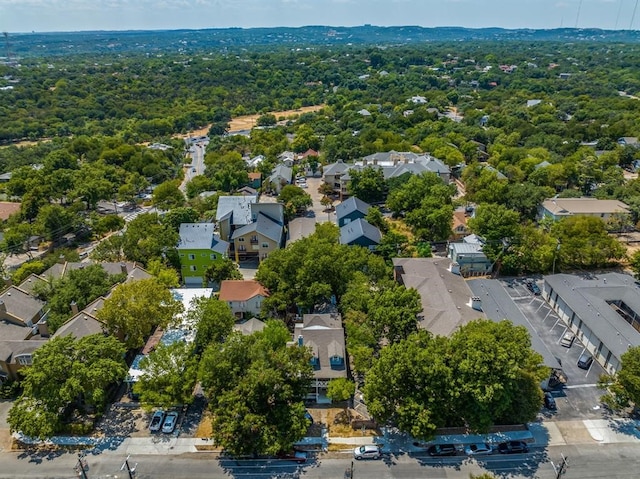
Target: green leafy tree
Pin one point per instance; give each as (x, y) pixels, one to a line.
(294, 199)
(256, 385)
(135, 309)
(367, 184)
(106, 224)
(168, 195)
(340, 389)
(227, 171)
(212, 320)
(585, 243)
(313, 270)
(165, 275)
(266, 120)
(176, 216)
(147, 238)
(221, 270)
(623, 388)
(27, 269)
(485, 374)
(66, 372)
(169, 376)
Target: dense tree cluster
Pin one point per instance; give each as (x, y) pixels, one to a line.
(486, 373)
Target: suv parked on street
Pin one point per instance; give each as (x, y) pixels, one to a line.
(367, 452)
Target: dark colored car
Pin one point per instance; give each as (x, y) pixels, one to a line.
(442, 450)
(549, 401)
(533, 287)
(513, 447)
(296, 456)
(585, 360)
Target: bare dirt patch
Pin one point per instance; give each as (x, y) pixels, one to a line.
(205, 428)
(338, 422)
(246, 122)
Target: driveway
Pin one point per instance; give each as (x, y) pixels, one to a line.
(321, 215)
(5, 434)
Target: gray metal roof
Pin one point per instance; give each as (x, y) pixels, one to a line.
(238, 206)
(336, 168)
(281, 171)
(466, 248)
(357, 229)
(587, 296)
(201, 236)
(264, 226)
(498, 305)
(350, 205)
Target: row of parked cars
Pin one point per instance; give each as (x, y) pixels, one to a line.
(439, 450)
(165, 422)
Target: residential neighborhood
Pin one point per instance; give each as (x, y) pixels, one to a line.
(290, 272)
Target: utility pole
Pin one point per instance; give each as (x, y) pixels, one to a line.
(562, 468)
(80, 467)
(130, 470)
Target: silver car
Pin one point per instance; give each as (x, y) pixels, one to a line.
(367, 452)
(478, 449)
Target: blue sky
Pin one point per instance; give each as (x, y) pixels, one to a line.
(74, 15)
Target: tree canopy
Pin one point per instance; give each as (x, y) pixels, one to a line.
(486, 373)
(256, 385)
(66, 374)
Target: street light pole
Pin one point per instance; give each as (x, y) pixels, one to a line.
(80, 467)
(130, 471)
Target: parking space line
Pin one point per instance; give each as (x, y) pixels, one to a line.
(580, 386)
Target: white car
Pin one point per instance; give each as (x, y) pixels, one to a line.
(367, 452)
(478, 449)
(170, 421)
(156, 421)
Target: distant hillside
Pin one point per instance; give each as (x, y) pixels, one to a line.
(187, 41)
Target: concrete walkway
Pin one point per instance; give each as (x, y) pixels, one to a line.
(540, 434)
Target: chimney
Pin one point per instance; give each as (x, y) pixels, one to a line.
(74, 307)
(300, 340)
(365, 162)
(3, 307)
(476, 303)
(43, 329)
(123, 268)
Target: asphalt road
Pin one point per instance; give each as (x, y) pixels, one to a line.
(585, 462)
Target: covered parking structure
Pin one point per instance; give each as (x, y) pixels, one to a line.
(602, 310)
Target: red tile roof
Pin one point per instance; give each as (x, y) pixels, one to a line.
(241, 290)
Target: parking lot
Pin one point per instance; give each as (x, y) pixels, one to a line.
(579, 398)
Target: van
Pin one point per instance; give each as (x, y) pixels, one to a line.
(585, 360)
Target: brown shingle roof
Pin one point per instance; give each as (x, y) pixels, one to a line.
(241, 290)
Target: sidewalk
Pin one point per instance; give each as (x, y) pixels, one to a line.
(540, 434)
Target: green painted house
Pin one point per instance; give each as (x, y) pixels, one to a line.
(198, 248)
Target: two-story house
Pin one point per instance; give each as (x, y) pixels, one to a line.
(233, 212)
(360, 233)
(280, 177)
(332, 174)
(324, 336)
(350, 210)
(199, 247)
(244, 297)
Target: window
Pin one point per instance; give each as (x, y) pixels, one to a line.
(193, 267)
(192, 256)
(242, 248)
(265, 245)
(182, 255)
(213, 256)
(24, 360)
(241, 240)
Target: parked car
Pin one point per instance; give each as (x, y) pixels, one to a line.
(170, 421)
(367, 452)
(442, 450)
(567, 339)
(308, 417)
(550, 401)
(479, 449)
(156, 421)
(533, 287)
(513, 447)
(297, 456)
(585, 360)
